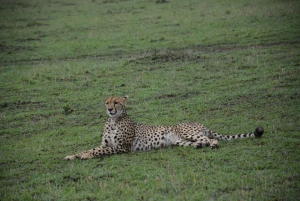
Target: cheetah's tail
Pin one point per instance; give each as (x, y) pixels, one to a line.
(257, 133)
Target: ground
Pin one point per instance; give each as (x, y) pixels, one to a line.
(229, 65)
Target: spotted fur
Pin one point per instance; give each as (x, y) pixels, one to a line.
(122, 135)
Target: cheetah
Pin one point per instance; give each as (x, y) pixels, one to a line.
(122, 135)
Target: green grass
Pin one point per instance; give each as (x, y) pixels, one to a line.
(231, 65)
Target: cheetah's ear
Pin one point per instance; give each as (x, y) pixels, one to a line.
(125, 99)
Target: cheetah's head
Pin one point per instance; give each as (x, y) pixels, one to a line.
(115, 106)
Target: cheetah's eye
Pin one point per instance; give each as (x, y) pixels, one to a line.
(116, 103)
(106, 103)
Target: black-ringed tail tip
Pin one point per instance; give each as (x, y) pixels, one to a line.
(259, 132)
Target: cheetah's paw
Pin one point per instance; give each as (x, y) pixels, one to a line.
(86, 156)
(213, 144)
(68, 158)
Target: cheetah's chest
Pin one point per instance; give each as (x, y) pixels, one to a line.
(114, 135)
(112, 142)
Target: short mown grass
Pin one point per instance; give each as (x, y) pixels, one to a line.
(231, 65)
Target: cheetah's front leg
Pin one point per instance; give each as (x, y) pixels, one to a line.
(98, 152)
(71, 157)
(83, 155)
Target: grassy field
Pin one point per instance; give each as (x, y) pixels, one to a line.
(231, 65)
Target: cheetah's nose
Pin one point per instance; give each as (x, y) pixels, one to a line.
(110, 109)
